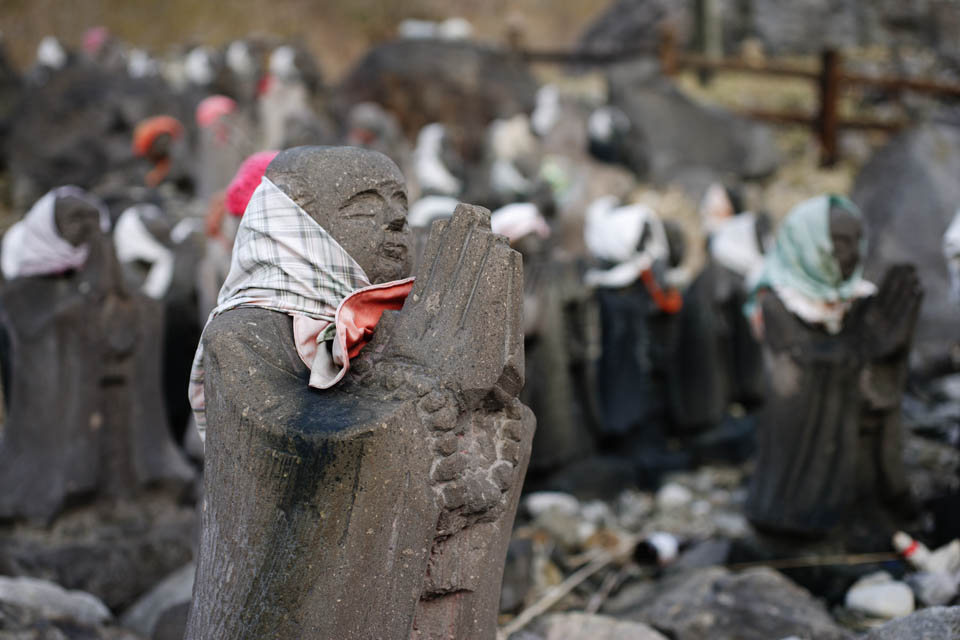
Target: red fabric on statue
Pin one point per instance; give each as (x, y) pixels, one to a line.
(360, 312)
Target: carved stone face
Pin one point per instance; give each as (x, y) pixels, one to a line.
(358, 196)
(845, 234)
(77, 222)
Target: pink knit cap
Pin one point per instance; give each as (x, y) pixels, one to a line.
(213, 108)
(247, 180)
(94, 38)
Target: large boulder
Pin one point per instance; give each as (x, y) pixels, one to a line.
(41, 610)
(461, 84)
(114, 551)
(935, 623)
(670, 133)
(758, 604)
(584, 626)
(53, 601)
(909, 193)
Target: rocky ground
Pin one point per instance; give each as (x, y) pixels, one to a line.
(670, 562)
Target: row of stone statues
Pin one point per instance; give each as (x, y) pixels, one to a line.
(363, 433)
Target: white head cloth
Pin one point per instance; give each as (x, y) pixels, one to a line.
(519, 219)
(33, 246)
(613, 234)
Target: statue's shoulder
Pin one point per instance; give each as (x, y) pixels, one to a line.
(251, 333)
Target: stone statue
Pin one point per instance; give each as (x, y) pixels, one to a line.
(835, 350)
(82, 376)
(380, 507)
(717, 361)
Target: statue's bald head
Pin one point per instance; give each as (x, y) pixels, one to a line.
(358, 196)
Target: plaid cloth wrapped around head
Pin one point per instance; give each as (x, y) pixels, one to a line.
(283, 260)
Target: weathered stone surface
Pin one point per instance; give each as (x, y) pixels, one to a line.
(102, 397)
(935, 623)
(315, 500)
(909, 193)
(670, 132)
(581, 626)
(758, 604)
(461, 84)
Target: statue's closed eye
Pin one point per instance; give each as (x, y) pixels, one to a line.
(363, 204)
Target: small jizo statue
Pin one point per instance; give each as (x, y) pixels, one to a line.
(374, 503)
(82, 359)
(835, 351)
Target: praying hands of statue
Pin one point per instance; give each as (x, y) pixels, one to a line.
(452, 323)
(891, 316)
(457, 345)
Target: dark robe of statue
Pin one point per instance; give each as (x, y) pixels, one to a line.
(85, 411)
(717, 360)
(561, 335)
(638, 331)
(380, 507)
(824, 397)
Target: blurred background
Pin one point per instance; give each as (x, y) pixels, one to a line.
(650, 159)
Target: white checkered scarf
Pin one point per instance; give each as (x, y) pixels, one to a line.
(283, 260)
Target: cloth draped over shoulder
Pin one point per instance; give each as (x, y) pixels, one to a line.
(284, 261)
(133, 242)
(33, 246)
(612, 233)
(803, 272)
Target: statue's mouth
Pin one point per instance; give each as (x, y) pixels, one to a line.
(394, 251)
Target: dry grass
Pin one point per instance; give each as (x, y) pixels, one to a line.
(337, 31)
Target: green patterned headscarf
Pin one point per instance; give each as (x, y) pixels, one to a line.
(802, 258)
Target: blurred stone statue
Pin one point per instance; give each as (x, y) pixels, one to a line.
(376, 502)
(717, 360)
(81, 367)
(835, 350)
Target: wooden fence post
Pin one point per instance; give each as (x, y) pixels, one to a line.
(667, 50)
(827, 120)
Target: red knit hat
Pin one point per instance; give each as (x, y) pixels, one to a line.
(152, 128)
(247, 180)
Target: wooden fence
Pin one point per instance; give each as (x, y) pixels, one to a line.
(830, 80)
